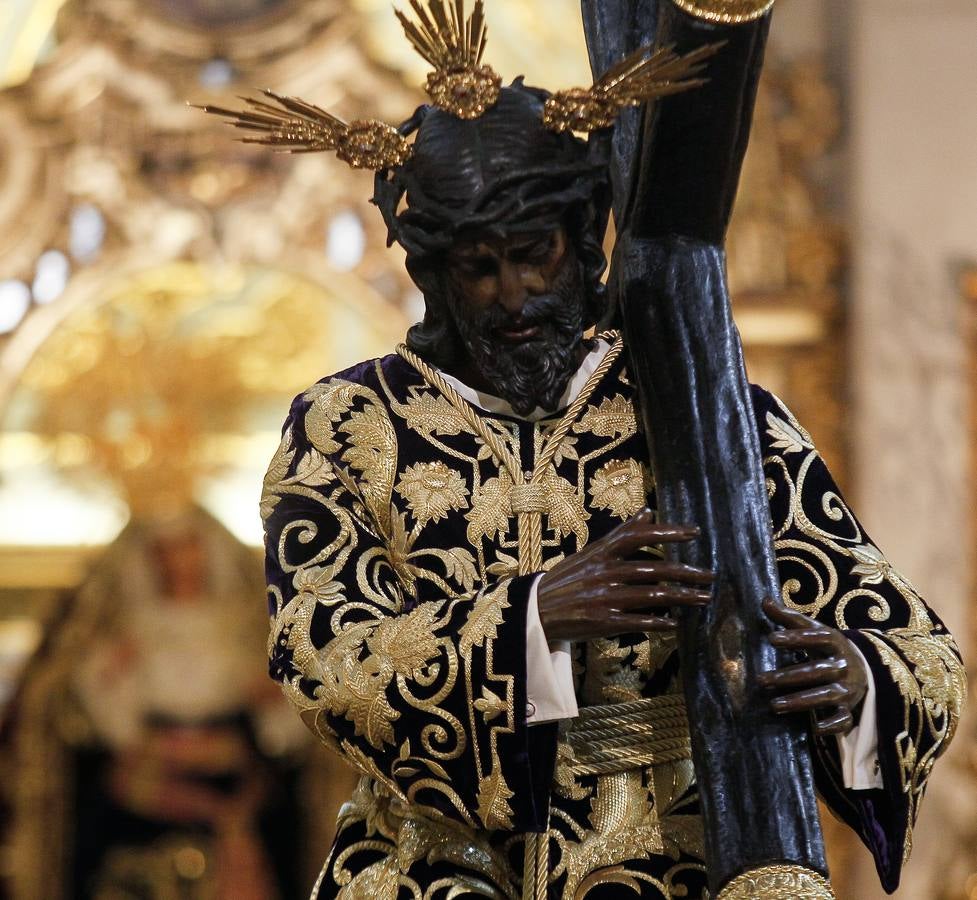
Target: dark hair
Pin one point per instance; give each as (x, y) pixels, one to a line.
(501, 173)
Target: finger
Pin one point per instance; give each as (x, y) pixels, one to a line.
(809, 674)
(782, 615)
(640, 532)
(804, 638)
(621, 597)
(627, 623)
(840, 722)
(812, 698)
(645, 571)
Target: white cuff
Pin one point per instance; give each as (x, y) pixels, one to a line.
(549, 671)
(859, 749)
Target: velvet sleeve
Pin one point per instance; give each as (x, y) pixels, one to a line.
(428, 698)
(830, 569)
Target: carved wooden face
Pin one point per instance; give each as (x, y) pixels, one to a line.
(507, 273)
(518, 304)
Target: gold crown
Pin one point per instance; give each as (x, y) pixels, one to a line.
(462, 85)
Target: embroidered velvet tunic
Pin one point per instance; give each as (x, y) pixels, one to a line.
(404, 530)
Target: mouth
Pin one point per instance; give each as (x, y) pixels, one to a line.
(519, 334)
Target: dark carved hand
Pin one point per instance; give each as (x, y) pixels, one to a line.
(603, 591)
(831, 684)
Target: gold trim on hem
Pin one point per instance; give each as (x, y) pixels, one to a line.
(778, 882)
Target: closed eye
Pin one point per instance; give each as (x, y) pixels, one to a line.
(479, 267)
(536, 252)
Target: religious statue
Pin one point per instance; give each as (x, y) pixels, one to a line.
(550, 689)
(147, 758)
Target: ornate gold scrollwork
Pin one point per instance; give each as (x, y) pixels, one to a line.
(778, 882)
(726, 12)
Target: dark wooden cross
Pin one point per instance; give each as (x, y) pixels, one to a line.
(675, 170)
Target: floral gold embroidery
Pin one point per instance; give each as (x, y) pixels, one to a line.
(491, 506)
(432, 490)
(625, 826)
(872, 566)
(787, 436)
(817, 533)
(483, 619)
(413, 691)
(619, 486)
(429, 413)
(565, 512)
(613, 417)
(493, 801)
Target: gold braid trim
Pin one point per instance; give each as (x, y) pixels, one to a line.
(726, 12)
(575, 408)
(468, 412)
(778, 882)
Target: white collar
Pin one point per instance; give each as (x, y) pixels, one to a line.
(498, 406)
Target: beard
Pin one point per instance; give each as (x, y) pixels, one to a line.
(534, 372)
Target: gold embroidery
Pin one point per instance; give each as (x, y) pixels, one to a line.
(778, 882)
(922, 660)
(483, 619)
(608, 679)
(489, 705)
(624, 826)
(491, 505)
(565, 513)
(372, 449)
(276, 474)
(619, 486)
(463, 848)
(353, 568)
(872, 566)
(427, 413)
(613, 417)
(787, 437)
(357, 689)
(493, 801)
(432, 490)
(682, 833)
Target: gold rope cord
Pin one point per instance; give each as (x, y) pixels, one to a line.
(529, 502)
(618, 737)
(433, 377)
(530, 868)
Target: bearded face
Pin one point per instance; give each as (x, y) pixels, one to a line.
(518, 306)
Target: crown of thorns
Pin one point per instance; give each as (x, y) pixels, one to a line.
(462, 85)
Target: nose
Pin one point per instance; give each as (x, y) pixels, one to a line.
(517, 281)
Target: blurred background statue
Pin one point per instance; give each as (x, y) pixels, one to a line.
(150, 759)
